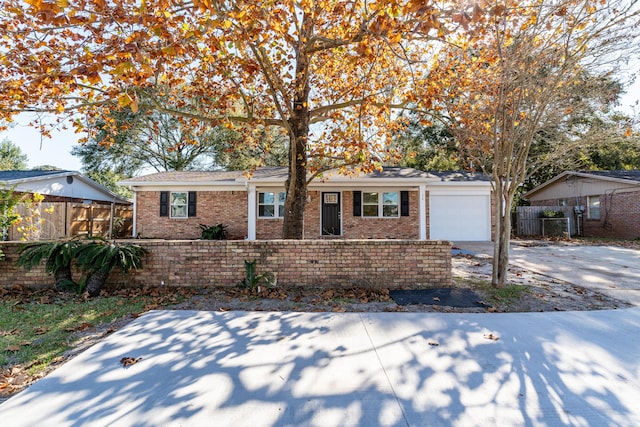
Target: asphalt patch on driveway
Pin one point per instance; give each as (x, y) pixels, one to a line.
(450, 297)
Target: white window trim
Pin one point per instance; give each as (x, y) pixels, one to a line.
(380, 205)
(186, 205)
(276, 211)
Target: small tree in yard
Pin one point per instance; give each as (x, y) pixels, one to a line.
(99, 257)
(9, 199)
(96, 257)
(517, 71)
(58, 257)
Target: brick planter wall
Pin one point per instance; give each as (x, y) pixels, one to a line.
(379, 263)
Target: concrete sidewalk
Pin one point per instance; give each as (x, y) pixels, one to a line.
(347, 369)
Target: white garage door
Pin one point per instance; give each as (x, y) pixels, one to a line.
(459, 217)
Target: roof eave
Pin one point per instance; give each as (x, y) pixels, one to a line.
(461, 183)
(540, 187)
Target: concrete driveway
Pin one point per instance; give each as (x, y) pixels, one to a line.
(348, 369)
(612, 270)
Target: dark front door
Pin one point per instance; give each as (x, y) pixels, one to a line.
(331, 225)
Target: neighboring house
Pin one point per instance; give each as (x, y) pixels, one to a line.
(59, 186)
(80, 205)
(395, 203)
(605, 203)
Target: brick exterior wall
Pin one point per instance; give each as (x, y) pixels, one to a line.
(402, 227)
(230, 209)
(212, 207)
(619, 215)
(379, 263)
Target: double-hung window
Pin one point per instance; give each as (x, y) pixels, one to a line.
(179, 205)
(271, 204)
(380, 204)
(593, 207)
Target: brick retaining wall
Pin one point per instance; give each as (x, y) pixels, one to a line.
(380, 263)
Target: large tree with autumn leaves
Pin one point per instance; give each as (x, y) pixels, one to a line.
(525, 67)
(331, 73)
(327, 72)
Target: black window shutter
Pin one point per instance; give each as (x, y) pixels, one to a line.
(164, 203)
(192, 204)
(357, 203)
(404, 203)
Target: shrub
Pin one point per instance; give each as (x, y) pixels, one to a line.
(252, 280)
(99, 257)
(58, 255)
(551, 214)
(213, 232)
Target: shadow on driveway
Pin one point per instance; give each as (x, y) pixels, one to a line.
(342, 369)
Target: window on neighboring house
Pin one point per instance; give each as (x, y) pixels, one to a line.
(562, 202)
(383, 204)
(593, 207)
(178, 204)
(271, 204)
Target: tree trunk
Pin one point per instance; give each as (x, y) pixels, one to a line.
(294, 206)
(63, 277)
(296, 186)
(502, 236)
(95, 281)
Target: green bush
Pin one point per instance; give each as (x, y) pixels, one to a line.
(58, 255)
(551, 214)
(213, 232)
(96, 257)
(99, 257)
(252, 280)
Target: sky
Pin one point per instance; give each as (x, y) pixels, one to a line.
(56, 151)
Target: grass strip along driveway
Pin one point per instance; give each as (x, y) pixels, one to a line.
(39, 329)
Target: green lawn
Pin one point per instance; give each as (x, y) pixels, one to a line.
(39, 327)
(34, 334)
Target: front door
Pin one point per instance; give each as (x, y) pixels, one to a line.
(331, 217)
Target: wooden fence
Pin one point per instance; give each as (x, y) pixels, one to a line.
(54, 220)
(529, 223)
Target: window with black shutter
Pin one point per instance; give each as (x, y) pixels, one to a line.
(192, 203)
(404, 203)
(164, 203)
(357, 203)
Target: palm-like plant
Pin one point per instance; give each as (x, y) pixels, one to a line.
(100, 257)
(58, 255)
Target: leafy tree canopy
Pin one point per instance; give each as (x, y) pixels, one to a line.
(46, 168)
(327, 73)
(428, 147)
(11, 157)
(527, 68)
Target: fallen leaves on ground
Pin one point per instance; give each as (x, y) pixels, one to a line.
(128, 361)
(10, 380)
(81, 327)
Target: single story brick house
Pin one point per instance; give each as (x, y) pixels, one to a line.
(394, 203)
(605, 203)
